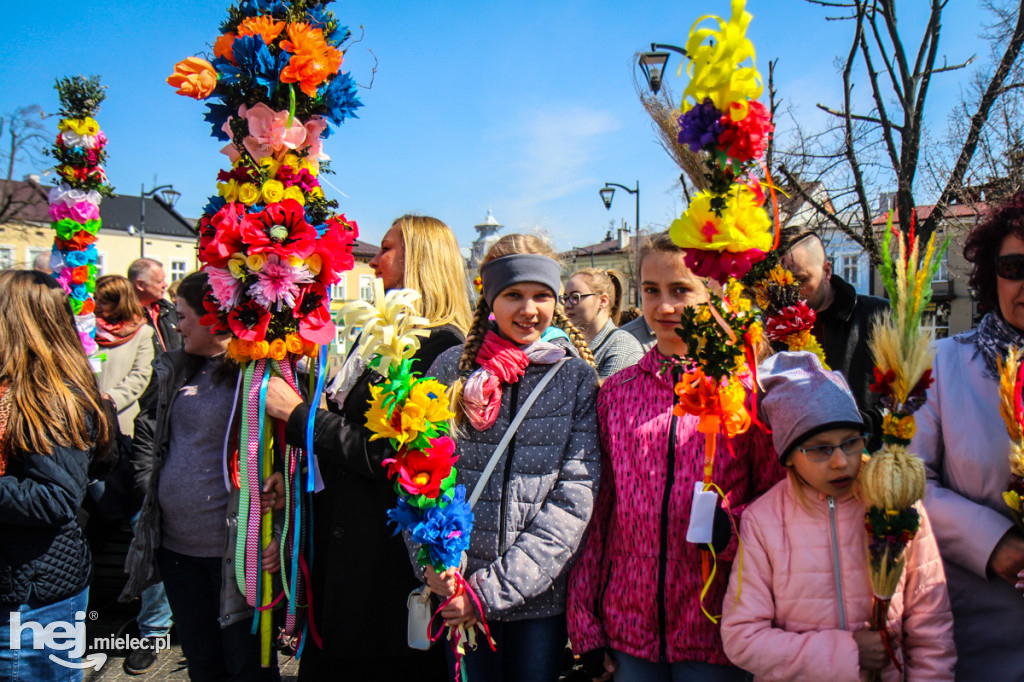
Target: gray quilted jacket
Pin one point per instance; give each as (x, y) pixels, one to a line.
(535, 507)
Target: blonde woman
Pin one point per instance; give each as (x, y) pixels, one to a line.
(51, 427)
(593, 301)
(361, 575)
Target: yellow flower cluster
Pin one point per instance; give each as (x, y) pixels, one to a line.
(81, 126)
(742, 225)
(272, 190)
(899, 427)
(427, 403)
(716, 59)
(1012, 500)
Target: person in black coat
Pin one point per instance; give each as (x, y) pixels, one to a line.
(52, 425)
(361, 576)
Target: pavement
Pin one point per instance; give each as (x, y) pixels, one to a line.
(112, 620)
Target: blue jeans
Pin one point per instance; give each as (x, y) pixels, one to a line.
(65, 644)
(633, 669)
(213, 653)
(531, 649)
(154, 617)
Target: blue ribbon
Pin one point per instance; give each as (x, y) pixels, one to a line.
(314, 401)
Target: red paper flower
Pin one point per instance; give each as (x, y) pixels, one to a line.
(335, 249)
(249, 321)
(789, 320)
(213, 316)
(312, 309)
(220, 235)
(883, 381)
(424, 472)
(281, 229)
(746, 139)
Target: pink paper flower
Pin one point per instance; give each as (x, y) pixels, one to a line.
(315, 127)
(269, 132)
(226, 288)
(278, 283)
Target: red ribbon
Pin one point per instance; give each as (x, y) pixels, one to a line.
(456, 635)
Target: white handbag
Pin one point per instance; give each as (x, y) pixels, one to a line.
(419, 599)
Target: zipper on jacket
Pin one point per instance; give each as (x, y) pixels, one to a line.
(835, 561)
(503, 513)
(670, 477)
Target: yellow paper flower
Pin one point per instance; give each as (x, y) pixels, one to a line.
(273, 191)
(259, 350)
(902, 428)
(295, 192)
(270, 165)
(228, 190)
(311, 165)
(315, 192)
(278, 350)
(315, 264)
(1012, 500)
(430, 395)
(248, 194)
(236, 265)
(403, 426)
(81, 126)
(255, 261)
(715, 64)
(742, 225)
(290, 159)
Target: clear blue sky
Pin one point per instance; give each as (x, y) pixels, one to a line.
(524, 107)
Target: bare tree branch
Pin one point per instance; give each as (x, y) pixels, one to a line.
(858, 117)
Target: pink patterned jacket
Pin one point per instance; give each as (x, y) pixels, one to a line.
(636, 586)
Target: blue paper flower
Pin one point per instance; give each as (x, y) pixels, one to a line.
(700, 126)
(216, 116)
(340, 99)
(404, 515)
(275, 8)
(214, 204)
(254, 65)
(445, 530)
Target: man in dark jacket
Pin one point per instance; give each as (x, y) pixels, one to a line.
(844, 320)
(148, 278)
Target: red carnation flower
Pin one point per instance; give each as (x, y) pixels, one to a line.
(281, 229)
(220, 235)
(335, 249)
(746, 139)
(883, 381)
(213, 317)
(249, 321)
(789, 320)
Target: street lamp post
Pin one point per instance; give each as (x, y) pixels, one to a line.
(653, 64)
(607, 193)
(170, 197)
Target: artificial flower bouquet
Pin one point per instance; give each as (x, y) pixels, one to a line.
(273, 246)
(413, 413)
(725, 229)
(1011, 407)
(788, 320)
(893, 479)
(79, 153)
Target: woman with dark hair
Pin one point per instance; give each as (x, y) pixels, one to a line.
(187, 527)
(51, 427)
(361, 614)
(965, 446)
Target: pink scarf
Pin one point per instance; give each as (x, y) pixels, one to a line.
(501, 362)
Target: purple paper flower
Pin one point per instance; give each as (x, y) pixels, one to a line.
(700, 126)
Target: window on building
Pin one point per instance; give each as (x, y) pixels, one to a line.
(179, 269)
(942, 274)
(366, 287)
(936, 319)
(6, 257)
(849, 267)
(31, 253)
(338, 290)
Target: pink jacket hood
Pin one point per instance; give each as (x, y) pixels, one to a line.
(783, 621)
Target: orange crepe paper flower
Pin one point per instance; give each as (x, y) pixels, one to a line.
(264, 26)
(224, 47)
(194, 77)
(313, 60)
(715, 405)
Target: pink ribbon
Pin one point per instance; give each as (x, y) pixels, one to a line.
(455, 636)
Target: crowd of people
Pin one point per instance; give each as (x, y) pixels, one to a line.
(580, 531)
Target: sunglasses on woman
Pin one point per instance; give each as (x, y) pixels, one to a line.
(1011, 266)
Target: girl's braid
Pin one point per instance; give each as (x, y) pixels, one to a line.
(575, 335)
(474, 340)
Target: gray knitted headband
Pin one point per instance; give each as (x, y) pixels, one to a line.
(501, 273)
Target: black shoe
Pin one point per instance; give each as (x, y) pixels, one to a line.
(141, 659)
